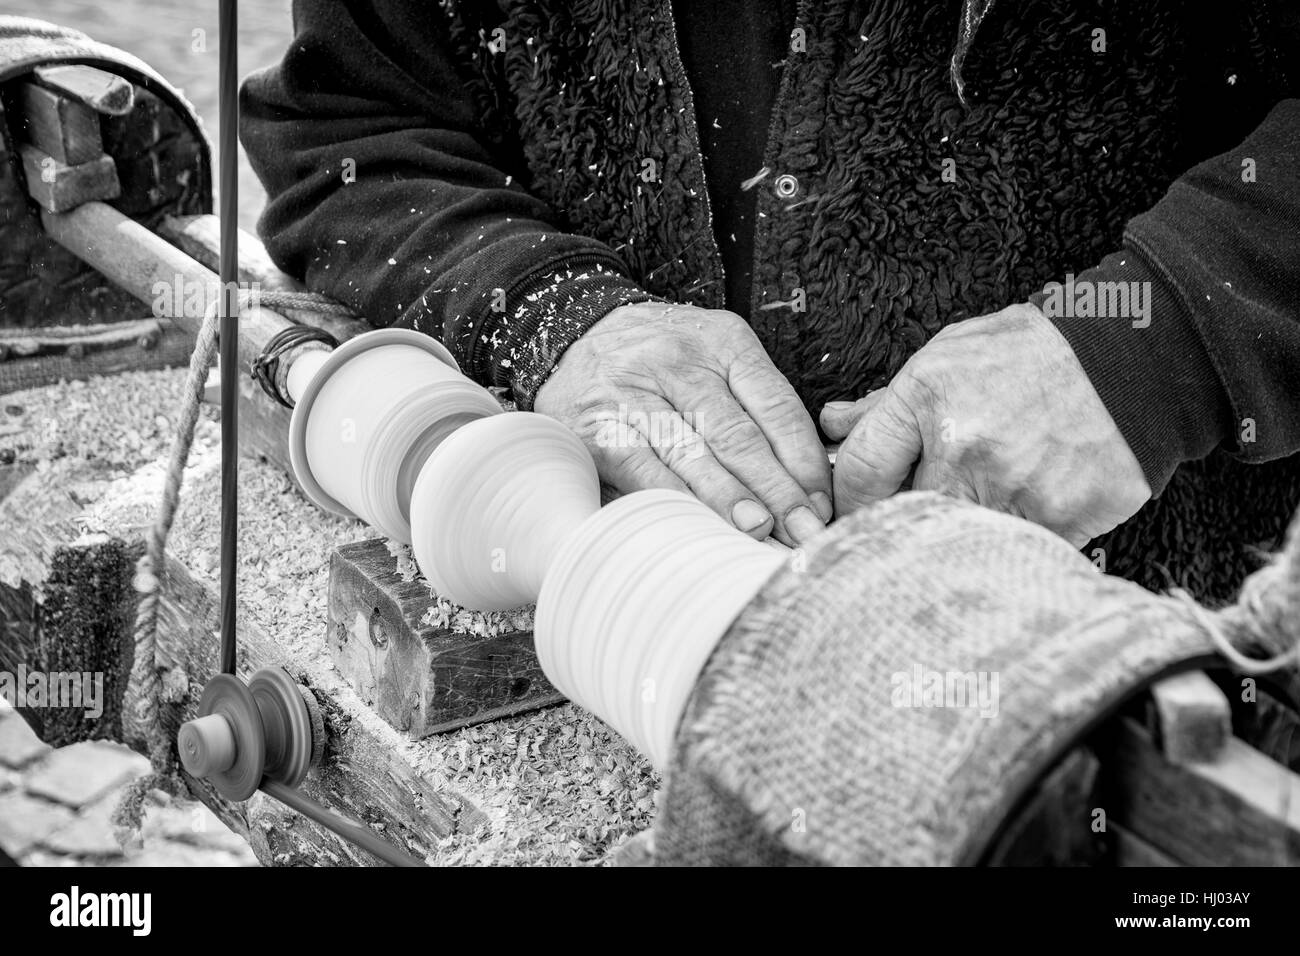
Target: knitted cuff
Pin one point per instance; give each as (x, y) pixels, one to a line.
(546, 314)
(1135, 339)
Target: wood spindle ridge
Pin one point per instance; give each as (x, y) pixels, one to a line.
(368, 416)
(631, 598)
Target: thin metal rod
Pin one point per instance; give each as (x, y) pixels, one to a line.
(351, 831)
(228, 146)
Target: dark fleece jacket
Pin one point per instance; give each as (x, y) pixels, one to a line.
(523, 166)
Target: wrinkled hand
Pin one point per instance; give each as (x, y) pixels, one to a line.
(674, 396)
(996, 410)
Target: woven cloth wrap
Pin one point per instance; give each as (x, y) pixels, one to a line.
(797, 747)
(26, 44)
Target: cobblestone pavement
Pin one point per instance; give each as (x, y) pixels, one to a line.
(56, 805)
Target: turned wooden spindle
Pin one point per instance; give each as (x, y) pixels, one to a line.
(631, 598)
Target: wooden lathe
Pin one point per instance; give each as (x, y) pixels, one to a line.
(105, 201)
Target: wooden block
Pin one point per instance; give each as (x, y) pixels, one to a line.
(1054, 824)
(61, 127)
(59, 187)
(422, 679)
(1195, 718)
(86, 627)
(1241, 809)
(103, 92)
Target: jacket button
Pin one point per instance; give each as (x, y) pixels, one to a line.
(786, 186)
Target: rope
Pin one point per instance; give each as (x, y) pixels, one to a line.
(300, 301)
(140, 716)
(156, 660)
(1267, 612)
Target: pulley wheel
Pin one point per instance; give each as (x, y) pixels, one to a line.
(230, 697)
(293, 738)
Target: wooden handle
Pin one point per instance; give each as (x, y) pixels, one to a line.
(154, 271)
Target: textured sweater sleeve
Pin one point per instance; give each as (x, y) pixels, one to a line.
(1219, 363)
(387, 192)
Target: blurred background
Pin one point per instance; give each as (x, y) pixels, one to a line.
(162, 33)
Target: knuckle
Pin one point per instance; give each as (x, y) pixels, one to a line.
(678, 447)
(736, 435)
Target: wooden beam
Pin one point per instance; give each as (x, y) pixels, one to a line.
(59, 126)
(199, 237)
(103, 92)
(365, 772)
(423, 679)
(58, 187)
(1240, 809)
(1194, 716)
(142, 262)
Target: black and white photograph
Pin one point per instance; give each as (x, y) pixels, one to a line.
(652, 433)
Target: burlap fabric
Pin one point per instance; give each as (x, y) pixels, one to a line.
(800, 745)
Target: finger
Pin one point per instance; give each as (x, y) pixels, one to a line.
(878, 455)
(772, 403)
(652, 447)
(741, 447)
(625, 460)
(687, 454)
(838, 418)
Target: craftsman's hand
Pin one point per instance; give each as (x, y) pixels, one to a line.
(674, 396)
(996, 410)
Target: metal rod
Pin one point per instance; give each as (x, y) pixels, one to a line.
(349, 830)
(228, 146)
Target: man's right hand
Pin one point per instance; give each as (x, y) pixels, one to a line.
(674, 396)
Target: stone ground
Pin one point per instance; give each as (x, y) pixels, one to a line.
(56, 805)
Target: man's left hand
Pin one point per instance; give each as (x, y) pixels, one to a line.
(996, 410)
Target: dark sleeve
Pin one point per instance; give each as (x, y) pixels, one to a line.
(1221, 254)
(436, 231)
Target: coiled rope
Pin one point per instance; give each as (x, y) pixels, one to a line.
(266, 367)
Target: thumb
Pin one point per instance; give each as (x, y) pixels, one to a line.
(877, 457)
(838, 418)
